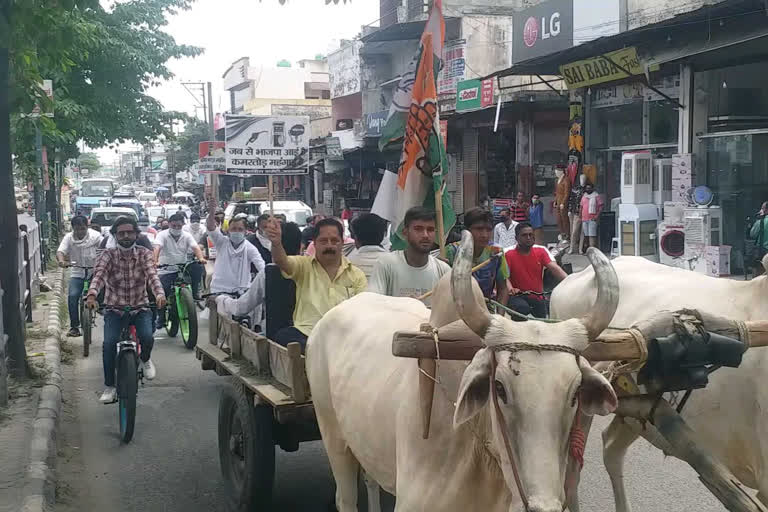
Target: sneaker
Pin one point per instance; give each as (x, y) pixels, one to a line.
(149, 369)
(109, 395)
(74, 332)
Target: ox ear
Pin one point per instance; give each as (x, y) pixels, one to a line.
(596, 393)
(474, 388)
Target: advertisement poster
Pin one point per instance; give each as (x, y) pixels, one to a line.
(213, 158)
(275, 145)
(474, 95)
(454, 66)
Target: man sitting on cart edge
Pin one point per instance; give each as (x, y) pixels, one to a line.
(125, 272)
(251, 303)
(322, 281)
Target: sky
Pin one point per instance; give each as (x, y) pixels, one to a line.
(265, 31)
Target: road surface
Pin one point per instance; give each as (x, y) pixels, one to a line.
(172, 464)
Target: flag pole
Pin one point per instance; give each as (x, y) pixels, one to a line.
(440, 223)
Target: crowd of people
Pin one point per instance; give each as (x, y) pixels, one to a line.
(325, 266)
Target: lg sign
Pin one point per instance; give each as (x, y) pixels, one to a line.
(548, 29)
(543, 29)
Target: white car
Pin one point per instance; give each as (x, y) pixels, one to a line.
(153, 212)
(294, 211)
(148, 199)
(107, 216)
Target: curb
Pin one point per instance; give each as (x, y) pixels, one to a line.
(40, 487)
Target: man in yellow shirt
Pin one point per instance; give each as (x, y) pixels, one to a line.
(322, 281)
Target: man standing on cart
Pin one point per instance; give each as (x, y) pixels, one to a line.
(322, 281)
(125, 271)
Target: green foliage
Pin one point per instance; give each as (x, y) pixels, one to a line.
(89, 161)
(102, 62)
(188, 142)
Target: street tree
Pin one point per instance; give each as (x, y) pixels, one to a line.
(187, 144)
(89, 161)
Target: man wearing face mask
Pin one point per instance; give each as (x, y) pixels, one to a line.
(322, 281)
(260, 240)
(171, 248)
(234, 256)
(125, 272)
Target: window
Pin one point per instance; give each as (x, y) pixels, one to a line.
(643, 175)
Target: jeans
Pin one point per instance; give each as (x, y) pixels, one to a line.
(291, 334)
(74, 296)
(528, 305)
(167, 281)
(112, 324)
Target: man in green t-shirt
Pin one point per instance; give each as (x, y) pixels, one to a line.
(493, 276)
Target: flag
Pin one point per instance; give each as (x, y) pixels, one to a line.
(419, 177)
(394, 127)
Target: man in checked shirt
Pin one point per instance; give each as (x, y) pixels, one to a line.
(125, 270)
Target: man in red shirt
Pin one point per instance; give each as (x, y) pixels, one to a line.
(526, 264)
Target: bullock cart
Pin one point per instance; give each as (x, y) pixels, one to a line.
(266, 404)
(672, 351)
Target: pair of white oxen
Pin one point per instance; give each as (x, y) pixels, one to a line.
(368, 408)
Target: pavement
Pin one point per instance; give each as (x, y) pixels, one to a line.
(172, 463)
(28, 424)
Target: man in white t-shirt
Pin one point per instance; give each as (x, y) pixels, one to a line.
(171, 248)
(413, 271)
(504, 231)
(234, 257)
(368, 231)
(78, 247)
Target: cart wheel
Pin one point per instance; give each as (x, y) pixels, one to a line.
(246, 451)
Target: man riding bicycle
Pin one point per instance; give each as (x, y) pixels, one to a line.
(79, 246)
(171, 248)
(125, 272)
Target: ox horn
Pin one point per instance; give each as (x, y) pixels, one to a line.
(607, 294)
(475, 315)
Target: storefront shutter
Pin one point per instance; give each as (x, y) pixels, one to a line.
(469, 166)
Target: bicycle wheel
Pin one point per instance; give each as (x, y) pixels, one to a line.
(127, 388)
(171, 319)
(86, 321)
(187, 318)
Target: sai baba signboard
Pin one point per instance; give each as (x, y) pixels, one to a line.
(267, 145)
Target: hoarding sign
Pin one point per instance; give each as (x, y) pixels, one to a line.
(474, 95)
(344, 70)
(542, 29)
(374, 122)
(259, 145)
(333, 148)
(213, 158)
(598, 69)
(454, 66)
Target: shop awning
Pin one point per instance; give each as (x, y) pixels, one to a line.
(663, 44)
(411, 30)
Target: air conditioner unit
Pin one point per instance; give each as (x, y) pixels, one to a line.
(636, 178)
(714, 223)
(637, 230)
(662, 180)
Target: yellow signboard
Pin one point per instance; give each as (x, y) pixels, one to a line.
(598, 69)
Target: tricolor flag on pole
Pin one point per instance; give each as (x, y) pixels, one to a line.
(415, 119)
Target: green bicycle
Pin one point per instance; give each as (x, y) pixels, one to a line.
(87, 315)
(180, 312)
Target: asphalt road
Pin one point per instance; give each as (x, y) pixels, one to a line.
(172, 464)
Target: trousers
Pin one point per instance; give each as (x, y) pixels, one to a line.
(74, 296)
(291, 334)
(112, 324)
(528, 306)
(576, 238)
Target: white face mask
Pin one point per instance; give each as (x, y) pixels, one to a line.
(237, 237)
(175, 232)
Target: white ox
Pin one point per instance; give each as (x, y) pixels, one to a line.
(730, 416)
(367, 400)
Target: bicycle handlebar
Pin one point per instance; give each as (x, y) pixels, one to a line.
(126, 309)
(236, 295)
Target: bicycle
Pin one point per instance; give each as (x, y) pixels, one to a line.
(128, 372)
(180, 312)
(87, 317)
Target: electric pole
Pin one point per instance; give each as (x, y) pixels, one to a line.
(12, 347)
(212, 128)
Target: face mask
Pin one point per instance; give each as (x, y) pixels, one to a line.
(195, 225)
(126, 245)
(535, 201)
(237, 237)
(175, 232)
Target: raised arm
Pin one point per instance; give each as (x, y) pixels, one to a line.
(279, 256)
(210, 221)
